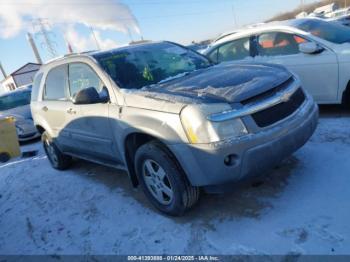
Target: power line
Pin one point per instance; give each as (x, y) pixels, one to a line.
(40, 26)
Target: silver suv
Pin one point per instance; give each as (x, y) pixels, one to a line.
(172, 119)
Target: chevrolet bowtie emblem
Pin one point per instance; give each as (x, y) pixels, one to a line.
(285, 97)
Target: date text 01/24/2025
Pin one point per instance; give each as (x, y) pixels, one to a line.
(173, 258)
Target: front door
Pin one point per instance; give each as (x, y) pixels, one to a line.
(318, 72)
(89, 124)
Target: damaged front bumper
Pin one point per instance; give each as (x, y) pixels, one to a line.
(229, 161)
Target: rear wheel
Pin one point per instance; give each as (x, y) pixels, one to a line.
(163, 181)
(57, 159)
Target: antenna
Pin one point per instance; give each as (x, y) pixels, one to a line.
(42, 27)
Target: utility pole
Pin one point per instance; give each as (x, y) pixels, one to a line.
(234, 15)
(68, 45)
(41, 26)
(130, 36)
(302, 6)
(34, 48)
(95, 38)
(3, 71)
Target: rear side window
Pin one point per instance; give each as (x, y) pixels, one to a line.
(231, 51)
(56, 84)
(36, 86)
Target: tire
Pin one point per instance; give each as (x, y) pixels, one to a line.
(346, 98)
(163, 181)
(4, 157)
(57, 159)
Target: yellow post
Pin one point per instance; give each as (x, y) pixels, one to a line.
(9, 144)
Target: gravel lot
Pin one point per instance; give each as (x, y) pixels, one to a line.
(302, 207)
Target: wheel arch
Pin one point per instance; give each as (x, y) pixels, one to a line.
(40, 129)
(132, 142)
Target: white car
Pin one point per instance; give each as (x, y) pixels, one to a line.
(343, 20)
(315, 50)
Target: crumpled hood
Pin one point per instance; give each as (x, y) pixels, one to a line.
(227, 82)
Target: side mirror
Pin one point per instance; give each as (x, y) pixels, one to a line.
(310, 48)
(104, 95)
(87, 96)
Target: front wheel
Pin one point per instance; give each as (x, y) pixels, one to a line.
(163, 181)
(57, 159)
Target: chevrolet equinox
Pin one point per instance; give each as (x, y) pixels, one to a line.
(172, 119)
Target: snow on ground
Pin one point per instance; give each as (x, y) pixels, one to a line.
(302, 207)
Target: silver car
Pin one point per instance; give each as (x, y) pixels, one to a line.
(173, 120)
(16, 104)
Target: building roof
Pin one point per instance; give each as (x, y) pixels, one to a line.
(28, 67)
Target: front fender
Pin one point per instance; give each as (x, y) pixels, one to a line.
(163, 126)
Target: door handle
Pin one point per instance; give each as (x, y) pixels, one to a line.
(71, 111)
(45, 109)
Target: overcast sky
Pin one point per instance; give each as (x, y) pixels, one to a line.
(116, 22)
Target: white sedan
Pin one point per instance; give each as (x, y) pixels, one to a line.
(315, 50)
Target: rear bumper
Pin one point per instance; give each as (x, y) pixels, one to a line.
(252, 155)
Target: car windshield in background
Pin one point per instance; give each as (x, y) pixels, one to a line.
(14, 100)
(331, 32)
(144, 65)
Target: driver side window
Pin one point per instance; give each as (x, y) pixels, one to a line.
(82, 76)
(279, 43)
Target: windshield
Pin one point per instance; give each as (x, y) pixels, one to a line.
(14, 100)
(140, 66)
(331, 32)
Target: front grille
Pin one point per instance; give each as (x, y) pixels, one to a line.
(269, 92)
(280, 111)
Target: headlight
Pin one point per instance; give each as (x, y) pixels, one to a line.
(200, 130)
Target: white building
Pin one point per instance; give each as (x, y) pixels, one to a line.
(21, 77)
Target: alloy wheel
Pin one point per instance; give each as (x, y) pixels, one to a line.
(157, 182)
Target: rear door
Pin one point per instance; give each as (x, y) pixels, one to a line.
(236, 50)
(318, 72)
(55, 103)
